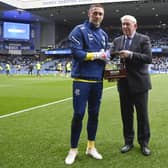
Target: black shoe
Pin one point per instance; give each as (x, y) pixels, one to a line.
(126, 148)
(145, 150)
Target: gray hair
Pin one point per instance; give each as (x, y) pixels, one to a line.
(129, 17)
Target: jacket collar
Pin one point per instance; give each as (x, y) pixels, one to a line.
(91, 25)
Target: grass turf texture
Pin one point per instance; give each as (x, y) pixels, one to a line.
(40, 138)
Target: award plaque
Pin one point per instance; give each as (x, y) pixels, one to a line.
(115, 69)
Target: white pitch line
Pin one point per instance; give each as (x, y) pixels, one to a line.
(33, 108)
(41, 106)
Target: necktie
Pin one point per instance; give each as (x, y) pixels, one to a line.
(127, 43)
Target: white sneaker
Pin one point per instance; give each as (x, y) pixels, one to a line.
(71, 156)
(94, 153)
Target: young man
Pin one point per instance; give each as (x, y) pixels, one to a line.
(135, 51)
(88, 43)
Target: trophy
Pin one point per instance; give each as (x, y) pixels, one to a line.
(115, 69)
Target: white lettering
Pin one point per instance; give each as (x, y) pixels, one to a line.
(16, 30)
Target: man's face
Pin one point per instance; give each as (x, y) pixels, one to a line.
(96, 15)
(128, 27)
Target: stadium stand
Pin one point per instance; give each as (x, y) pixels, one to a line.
(49, 27)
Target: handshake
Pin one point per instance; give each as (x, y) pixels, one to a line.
(109, 55)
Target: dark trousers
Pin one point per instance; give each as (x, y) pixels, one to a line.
(84, 94)
(128, 102)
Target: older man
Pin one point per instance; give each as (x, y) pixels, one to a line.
(135, 52)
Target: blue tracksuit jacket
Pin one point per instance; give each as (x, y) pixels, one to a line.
(87, 38)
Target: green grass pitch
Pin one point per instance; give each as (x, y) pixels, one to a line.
(39, 136)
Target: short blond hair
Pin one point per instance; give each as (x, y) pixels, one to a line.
(129, 17)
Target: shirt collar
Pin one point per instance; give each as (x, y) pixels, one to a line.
(131, 37)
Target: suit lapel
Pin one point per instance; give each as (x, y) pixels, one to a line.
(121, 43)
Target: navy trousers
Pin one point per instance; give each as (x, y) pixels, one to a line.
(85, 94)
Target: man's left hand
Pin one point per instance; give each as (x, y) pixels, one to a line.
(125, 53)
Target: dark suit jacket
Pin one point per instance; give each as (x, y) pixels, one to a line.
(138, 79)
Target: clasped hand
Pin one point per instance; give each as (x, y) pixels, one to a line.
(125, 53)
(102, 55)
